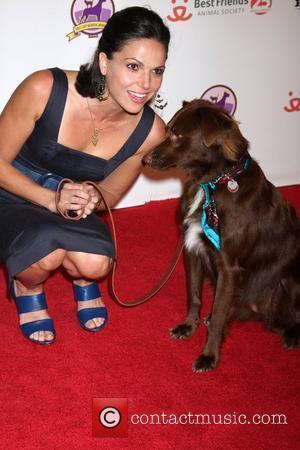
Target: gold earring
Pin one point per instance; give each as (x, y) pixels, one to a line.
(100, 89)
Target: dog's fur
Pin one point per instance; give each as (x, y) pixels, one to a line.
(256, 275)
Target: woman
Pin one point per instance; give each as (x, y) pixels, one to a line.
(91, 125)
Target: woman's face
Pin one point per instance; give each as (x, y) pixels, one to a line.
(135, 73)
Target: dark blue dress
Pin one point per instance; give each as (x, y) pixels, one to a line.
(29, 232)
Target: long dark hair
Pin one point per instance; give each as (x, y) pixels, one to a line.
(123, 26)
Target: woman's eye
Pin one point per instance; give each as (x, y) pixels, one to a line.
(133, 66)
(159, 71)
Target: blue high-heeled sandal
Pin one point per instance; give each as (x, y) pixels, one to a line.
(31, 303)
(89, 292)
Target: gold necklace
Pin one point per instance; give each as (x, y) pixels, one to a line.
(96, 130)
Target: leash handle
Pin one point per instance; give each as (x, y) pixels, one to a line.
(160, 283)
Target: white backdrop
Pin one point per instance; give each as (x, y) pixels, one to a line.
(250, 46)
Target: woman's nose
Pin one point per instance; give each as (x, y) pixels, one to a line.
(145, 80)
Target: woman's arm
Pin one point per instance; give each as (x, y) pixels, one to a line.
(17, 122)
(115, 185)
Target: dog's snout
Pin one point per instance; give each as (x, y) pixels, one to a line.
(147, 160)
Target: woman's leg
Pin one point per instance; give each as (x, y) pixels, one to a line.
(30, 282)
(85, 268)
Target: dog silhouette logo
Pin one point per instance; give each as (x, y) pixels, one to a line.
(222, 96)
(90, 17)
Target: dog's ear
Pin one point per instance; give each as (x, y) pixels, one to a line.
(220, 129)
(233, 143)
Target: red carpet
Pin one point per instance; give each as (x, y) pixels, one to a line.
(46, 392)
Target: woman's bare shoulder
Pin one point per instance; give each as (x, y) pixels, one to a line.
(33, 93)
(156, 135)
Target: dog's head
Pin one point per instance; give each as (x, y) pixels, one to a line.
(199, 137)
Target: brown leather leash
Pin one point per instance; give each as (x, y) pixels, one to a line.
(161, 282)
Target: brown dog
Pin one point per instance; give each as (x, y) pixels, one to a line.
(238, 230)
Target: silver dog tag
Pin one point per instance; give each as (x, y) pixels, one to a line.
(232, 186)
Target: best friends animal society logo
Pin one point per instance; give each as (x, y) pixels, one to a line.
(90, 17)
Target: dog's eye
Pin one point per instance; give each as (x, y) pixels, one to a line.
(173, 133)
(176, 133)
(175, 137)
(170, 131)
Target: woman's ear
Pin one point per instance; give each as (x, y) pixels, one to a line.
(103, 63)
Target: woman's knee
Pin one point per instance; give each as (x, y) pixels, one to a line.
(38, 272)
(52, 261)
(89, 265)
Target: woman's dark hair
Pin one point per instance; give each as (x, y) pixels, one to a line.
(123, 26)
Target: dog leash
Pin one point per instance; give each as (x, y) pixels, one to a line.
(160, 283)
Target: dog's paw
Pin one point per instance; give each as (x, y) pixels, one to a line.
(291, 337)
(204, 363)
(182, 331)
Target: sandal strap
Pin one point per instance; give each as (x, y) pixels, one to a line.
(91, 313)
(83, 293)
(31, 303)
(38, 325)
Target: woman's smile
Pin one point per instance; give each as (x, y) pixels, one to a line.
(137, 97)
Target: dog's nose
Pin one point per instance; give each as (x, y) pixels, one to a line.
(147, 160)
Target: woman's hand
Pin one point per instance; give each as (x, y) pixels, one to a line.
(80, 198)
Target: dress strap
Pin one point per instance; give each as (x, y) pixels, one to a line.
(52, 115)
(134, 141)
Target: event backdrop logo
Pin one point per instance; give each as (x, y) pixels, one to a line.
(222, 96)
(90, 17)
(294, 103)
(183, 10)
(180, 11)
(261, 7)
(160, 102)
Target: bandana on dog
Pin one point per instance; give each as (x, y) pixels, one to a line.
(210, 219)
